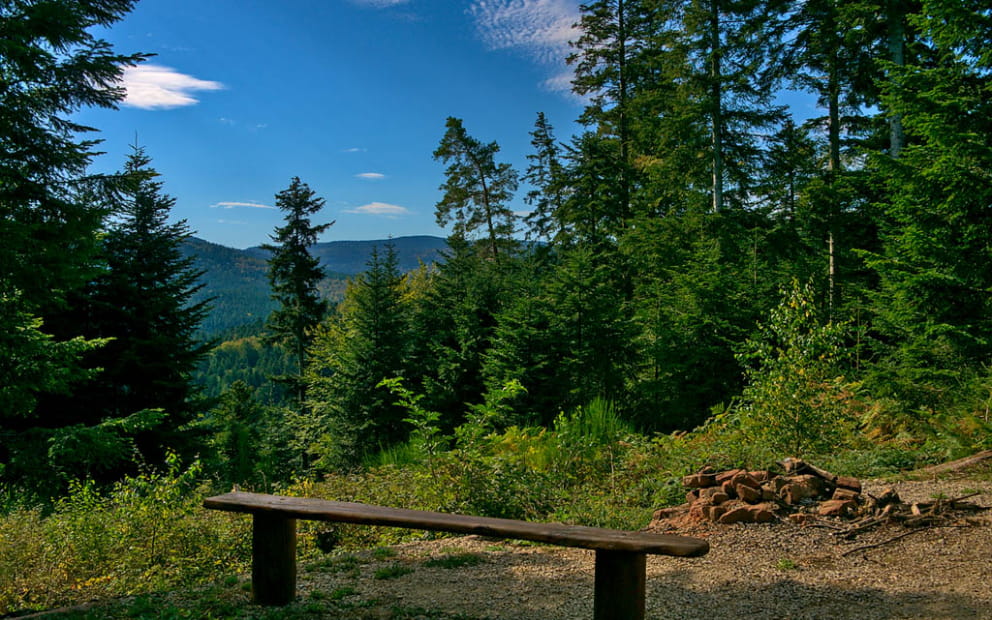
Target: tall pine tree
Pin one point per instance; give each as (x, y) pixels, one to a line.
(476, 187)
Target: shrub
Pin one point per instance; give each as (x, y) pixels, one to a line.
(145, 533)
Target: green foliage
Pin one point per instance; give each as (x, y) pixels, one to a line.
(425, 438)
(140, 302)
(454, 560)
(393, 571)
(476, 188)
(797, 401)
(294, 275)
(41, 364)
(144, 534)
(365, 342)
(52, 65)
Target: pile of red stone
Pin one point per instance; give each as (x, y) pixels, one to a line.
(740, 496)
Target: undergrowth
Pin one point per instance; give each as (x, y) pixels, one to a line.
(148, 534)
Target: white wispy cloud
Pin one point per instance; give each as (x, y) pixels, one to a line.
(370, 176)
(379, 4)
(155, 87)
(238, 205)
(539, 28)
(354, 149)
(381, 209)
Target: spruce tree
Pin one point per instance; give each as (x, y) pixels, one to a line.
(364, 343)
(51, 66)
(294, 275)
(546, 175)
(142, 302)
(934, 306)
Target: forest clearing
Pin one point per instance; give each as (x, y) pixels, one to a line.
(699, 286)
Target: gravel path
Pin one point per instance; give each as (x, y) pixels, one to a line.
(775, 571)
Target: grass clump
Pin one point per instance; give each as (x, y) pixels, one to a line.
(393, 571)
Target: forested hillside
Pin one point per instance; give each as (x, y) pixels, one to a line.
(705, 277)
(234, 281)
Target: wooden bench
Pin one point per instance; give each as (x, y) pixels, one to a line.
(620, 555)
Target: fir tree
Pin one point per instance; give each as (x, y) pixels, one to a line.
(934, 306)
(51, 66)
(294, 275)
(366, 342)
(142, 303)
(547, 176)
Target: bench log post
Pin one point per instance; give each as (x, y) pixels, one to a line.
(273, 559)
(620, 585)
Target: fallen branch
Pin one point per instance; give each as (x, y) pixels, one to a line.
(958, 465)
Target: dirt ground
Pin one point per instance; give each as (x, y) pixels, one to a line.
(777, 570)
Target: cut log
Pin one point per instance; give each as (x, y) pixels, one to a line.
(958, 465)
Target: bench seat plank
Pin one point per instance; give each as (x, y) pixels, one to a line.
(551, 533)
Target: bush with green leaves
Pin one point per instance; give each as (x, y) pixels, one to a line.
(798, 400)
(146, 533)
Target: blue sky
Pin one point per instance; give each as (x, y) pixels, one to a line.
(349, 95)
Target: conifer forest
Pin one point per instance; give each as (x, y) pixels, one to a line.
(704, 277)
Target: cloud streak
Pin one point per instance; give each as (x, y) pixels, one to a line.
(370, 176)
(239, 205)
(539, 28)
(380, 209)
(155, 87)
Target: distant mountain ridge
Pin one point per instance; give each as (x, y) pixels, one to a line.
(351, 257)
(237, 279)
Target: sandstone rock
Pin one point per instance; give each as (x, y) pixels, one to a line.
(699, 481)
(670, 512)
(713, 513)
(836, 507)
(758, 513)
(761, 475)
(745, 479)
(778, 482)
(802, 518)
(801, 487)
(762, 513)
(739, 514)
(692, 496)
(847, 482)
(845, 494)
(696, 512)
(710, 492)
(767, 491)
(728, 488)
(727, 475)
(719, 498)
(748, 494)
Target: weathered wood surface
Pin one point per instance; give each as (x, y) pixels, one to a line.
(273, 559)
(958, 465)
(551, 533)
(620, 585)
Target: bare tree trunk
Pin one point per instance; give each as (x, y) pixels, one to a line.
(716, 96)
(896, 14)
(833, 169)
